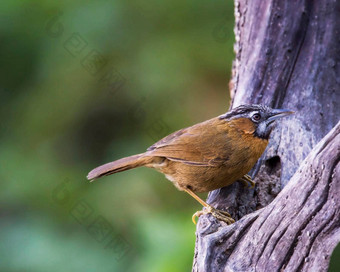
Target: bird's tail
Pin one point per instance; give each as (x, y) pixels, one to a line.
(118, 166)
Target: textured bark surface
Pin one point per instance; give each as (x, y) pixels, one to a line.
(287, 56)
(296, 232)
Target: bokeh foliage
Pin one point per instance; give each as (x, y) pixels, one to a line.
(87, 82)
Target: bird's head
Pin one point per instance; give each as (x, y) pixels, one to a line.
(255, 119)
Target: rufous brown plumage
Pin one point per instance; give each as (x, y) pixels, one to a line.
(208, 155)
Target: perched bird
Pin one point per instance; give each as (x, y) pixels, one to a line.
(208, 155)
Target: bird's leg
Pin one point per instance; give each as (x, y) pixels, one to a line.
(218, 214)
(245, 179)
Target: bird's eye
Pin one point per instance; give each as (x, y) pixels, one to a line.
(256, 117)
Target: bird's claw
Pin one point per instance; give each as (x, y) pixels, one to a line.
(218, 214)
(247, 179)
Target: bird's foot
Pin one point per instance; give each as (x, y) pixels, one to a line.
(218, 214)
(246, 179)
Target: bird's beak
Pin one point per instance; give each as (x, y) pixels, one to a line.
(278, 113)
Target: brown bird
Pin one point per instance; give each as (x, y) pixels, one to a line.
(208, 155)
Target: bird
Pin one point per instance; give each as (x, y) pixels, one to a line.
(208, 155)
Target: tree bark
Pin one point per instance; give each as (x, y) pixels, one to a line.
(287, 56)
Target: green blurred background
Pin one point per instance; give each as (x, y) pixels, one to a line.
(87, 82)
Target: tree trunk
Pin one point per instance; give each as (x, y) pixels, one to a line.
(287, 56)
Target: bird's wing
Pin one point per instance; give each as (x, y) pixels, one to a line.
(202, 144)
